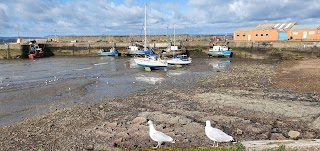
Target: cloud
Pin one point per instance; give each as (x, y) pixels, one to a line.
(124, 17)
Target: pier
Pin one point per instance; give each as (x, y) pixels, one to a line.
(90, 45)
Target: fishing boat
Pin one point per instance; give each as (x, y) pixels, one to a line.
(150, 60)
(35, 51)
(112, 52)
(134, 50)
(220, 51)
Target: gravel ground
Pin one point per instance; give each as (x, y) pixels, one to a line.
(250, 102)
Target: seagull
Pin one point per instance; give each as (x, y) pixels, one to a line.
(216, 135)
(158, 136)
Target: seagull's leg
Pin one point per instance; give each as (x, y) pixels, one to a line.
(159, 144)
(156, 146)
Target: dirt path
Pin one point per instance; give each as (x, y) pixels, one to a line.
(249, 102)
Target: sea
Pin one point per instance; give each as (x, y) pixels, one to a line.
(112, 76)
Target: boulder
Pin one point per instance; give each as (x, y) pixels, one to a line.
(294, 134)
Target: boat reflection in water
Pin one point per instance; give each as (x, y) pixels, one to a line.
(173, 73)
(219, 63)
(150, 80)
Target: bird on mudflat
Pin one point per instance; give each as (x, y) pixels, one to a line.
(158, 136)
(217, 135)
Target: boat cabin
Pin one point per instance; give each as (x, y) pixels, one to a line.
(219, 48)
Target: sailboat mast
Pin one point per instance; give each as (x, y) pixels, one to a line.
(174, 34)
(145, 27)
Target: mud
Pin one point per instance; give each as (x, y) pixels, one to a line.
(257, 101)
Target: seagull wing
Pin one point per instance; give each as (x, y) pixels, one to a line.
(160, 137)
(218, 135)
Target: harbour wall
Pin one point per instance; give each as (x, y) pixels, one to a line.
(240, 48)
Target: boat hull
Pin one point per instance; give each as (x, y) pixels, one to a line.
(220, 53)
(138, 52)
(146, 62)
(173, 53)
(107, 54)
(178, 62)
(37, 55)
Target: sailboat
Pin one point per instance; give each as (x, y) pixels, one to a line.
(150, 61)
(172, 50)
(178, 59)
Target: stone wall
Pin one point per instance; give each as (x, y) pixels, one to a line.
(91, 48)
(135, 38)
(8, 51)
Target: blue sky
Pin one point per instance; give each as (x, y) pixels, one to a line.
(125, 17)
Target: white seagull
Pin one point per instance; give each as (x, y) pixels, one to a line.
(216, 135)
(158, 136)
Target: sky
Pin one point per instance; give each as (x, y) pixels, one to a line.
(31, 18)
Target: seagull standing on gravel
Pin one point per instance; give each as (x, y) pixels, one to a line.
(158, 136)
(216, 135)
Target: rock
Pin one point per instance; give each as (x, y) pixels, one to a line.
(239, 131)
(139, 120)
(294, 134)
(277, 136)
(89, 147)
(101, 107)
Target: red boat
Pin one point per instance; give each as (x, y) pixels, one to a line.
(35, 51)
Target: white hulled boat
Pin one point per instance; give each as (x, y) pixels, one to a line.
(150, 61)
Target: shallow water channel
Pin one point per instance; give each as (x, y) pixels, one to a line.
(34, 87)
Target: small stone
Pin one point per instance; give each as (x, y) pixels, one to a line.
(294, 134)
(90, 147)
(239, 132)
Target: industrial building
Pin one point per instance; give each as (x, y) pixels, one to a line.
(305, 32)
(278, 32)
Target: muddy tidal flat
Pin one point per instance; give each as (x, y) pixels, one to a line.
(248, 99)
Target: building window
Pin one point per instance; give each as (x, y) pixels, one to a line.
(238, 35)
(243, 35)
(256, 35)
(261, 35)
(295, 33)
(267, 35)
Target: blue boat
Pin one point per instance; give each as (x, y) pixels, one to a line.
(220, 51)
(112, 52)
